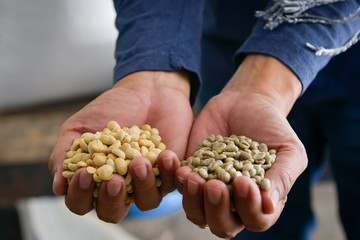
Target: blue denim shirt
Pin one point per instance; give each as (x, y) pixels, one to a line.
(167, 34)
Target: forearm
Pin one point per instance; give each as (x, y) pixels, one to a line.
(159, 35)
(263, 74)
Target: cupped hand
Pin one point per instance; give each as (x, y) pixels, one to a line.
(160, 99)
(242, 111)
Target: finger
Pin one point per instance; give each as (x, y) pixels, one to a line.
(111, 206)
(167, 162)
(57, 157)
(80, 192)
(147, 196)
(288, 166)
(193, 200)
(248, 204)
(222, 222)
(180, 174)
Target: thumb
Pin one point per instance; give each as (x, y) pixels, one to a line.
(57, 157)
(290, 162)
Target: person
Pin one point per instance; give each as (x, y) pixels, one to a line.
(158, 64)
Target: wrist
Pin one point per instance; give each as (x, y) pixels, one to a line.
(154, 80)
(265, 75)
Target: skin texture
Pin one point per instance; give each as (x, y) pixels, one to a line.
(254, 103)
(160, 99)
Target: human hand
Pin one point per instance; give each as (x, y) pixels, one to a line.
(244, 107)
(160, 99)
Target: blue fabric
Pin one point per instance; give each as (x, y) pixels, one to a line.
(159, 35)
(287, 42)
(166, 34)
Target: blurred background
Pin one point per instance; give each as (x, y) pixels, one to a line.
(55, 57)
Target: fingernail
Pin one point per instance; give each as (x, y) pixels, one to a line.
(275, 198)
(84, 181)
(140, 172)
(167, 163)
(192, 186)
(113, 188)
(214, 195)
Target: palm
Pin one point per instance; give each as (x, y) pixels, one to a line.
(168, 110)
(134, 102)
(249, 115)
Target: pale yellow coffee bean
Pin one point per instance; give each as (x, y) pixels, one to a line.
(119, 153)
(156, 171)
(77, 157)
(115, 145)
(70, 154)
(121, 166)
(125, 146)
(76, 145)
(99, 160)
(112, 125)
(83, 145)
(134, 130)
(154, 131)
(129, 188)
(158, 182)
(146, 143)
(120, 135)
(132, 153)
(152, 157)
(73, 167)
(111, 162)
(107, 138)
(81, 164)
(88, 137)
(96, 146)
(144, 150)
(91, 170)
(112, 156)
(89, 162)
(96, 178)
(146, 127)
(156, 139)
(128, 178)
(135, 145)
(105, 172)
(68, 174)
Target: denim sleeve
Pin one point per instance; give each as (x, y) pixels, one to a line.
(159, 35)
(288, 41)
